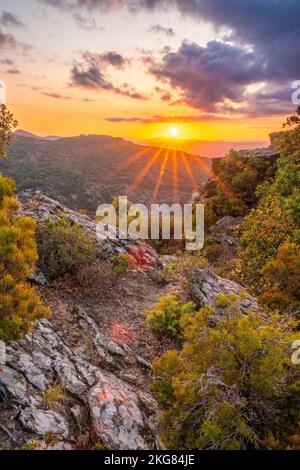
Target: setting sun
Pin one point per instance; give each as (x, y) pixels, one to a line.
(173, 132)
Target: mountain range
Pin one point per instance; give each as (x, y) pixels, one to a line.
(85, 171)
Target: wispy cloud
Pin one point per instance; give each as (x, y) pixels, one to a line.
(85, 22)
(8, 19)
(13, 71)
(91, 73)
(171, 119)
(157, 28)
(55, 94)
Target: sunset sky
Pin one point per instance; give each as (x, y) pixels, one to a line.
(141, 68)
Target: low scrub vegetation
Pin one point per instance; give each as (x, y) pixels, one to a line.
(64, 248)
(166, 317)
(231, 386)
(19, 303)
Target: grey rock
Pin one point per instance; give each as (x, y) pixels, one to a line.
(225, 232)
(118, 420)
(38, 278)
(34, 364)
(13, 386)
(40, 422)
(43, 208)
(206, 286)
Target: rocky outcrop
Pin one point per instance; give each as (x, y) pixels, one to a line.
(225, 232)
(206, 286)
(43, 208)
(264, 152)
(91, 369)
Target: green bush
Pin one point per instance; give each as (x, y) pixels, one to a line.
(274, 222)
(232, 190)
(232, 385)
(120, 263)
(19, 303)
(64, 248)
(165, 317)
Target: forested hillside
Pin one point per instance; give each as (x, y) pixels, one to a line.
(84, 171)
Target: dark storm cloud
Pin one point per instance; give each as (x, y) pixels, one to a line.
(157, 28)
(216, 78)
(209, 75)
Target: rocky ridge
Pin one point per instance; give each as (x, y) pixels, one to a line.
(106, 400)
(43, 208)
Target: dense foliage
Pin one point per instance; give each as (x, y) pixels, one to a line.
(19, 303)
(232, 190)
(167, 316)
(7, 124)
(270, 241)
(232, 386)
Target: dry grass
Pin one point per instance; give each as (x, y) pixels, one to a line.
(55, 397)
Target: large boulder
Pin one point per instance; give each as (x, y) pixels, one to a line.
(205, 287)
(225, 232)
(91, 370)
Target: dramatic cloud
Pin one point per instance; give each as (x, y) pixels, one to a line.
(91, 73)
(6, 62)
(207, 76)
(218, 78)
(8, 19)
(261, 40)
(157, 28)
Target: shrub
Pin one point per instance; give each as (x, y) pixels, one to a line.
(99, 275)
(19, 303)
(231, 385)
(165, 317)
(64, 248)
(222, 301)
(264, 230)
(269, 255)
(7, 124)
(232, 190)
(120, 263)
(284, 271)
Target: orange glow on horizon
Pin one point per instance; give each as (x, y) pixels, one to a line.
(44, 116)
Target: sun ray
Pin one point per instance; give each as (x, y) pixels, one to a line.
(132, 160)
(138, 180)
(161, 175)
(226, 190)
(187, 167)
(175, 174)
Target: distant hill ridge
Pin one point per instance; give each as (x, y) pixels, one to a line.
(84, 171)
